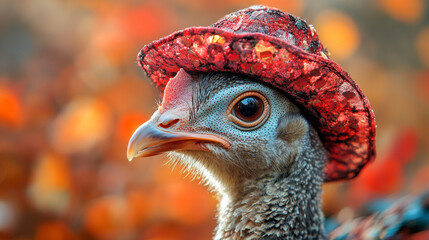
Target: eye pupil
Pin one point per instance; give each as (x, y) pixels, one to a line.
(249, 110)
(248, 107)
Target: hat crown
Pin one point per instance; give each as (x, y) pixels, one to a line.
(275, 23)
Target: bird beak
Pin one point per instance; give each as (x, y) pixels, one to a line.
(149, 140)
(159, 135)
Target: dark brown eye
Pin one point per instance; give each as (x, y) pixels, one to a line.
(249, 110)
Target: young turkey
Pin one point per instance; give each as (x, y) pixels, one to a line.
(251, 144)
(255, 107)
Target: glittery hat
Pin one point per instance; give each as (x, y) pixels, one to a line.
(284, 52)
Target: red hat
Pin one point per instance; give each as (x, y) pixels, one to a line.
(284, 52)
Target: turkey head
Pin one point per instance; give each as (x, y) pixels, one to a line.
(223, 126)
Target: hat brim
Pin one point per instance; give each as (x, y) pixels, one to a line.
(332, 101)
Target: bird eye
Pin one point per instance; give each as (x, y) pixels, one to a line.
(249, 110)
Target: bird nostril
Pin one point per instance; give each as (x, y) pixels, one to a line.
(168, 123)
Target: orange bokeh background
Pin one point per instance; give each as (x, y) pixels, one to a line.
(71, 95)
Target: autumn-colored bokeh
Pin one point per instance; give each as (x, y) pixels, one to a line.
(71, 95)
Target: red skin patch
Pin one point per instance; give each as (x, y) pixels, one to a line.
(178, 91)
(177, 99)
(284, 52)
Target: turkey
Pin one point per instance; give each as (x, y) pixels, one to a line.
(254, 106)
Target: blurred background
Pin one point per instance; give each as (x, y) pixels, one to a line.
(71, 95)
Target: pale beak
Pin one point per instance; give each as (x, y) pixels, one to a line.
(149, 140)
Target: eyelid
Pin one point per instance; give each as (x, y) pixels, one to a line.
(247, 126)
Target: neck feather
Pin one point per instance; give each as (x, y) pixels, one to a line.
(284, 205)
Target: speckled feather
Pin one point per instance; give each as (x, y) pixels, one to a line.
(280, 205)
